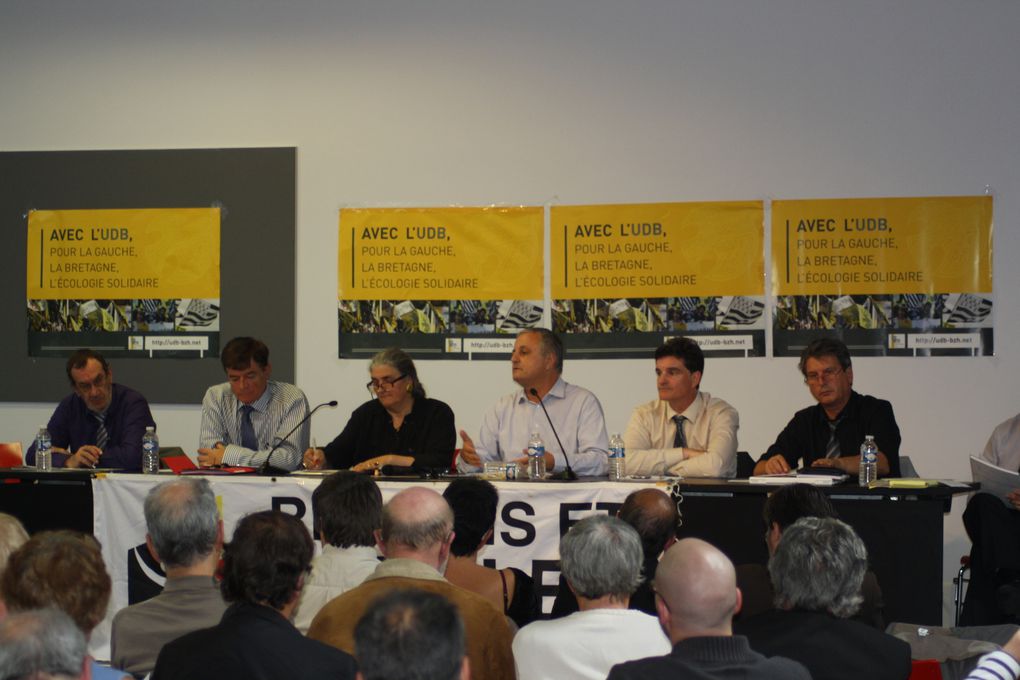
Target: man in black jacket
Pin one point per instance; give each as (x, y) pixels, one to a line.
(264, 568)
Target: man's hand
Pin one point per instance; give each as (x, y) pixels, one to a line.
(776, 465)
(843, 464)
(87, 456)
(211, 457)
(468, 452)
(550, 461)
(1014, 498)
(314, 459)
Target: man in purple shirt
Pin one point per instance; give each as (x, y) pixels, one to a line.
(101, 423)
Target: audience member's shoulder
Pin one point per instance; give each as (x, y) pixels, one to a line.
(781, 667)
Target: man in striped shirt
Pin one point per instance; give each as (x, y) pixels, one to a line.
(245, 418)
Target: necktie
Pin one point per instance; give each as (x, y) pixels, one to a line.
(679, 440)
(102, 436)
(832, 449)
(248, 439)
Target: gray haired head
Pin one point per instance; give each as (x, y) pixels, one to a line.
(600, 556)
(182, 520)
(819, 566)
(41, 642)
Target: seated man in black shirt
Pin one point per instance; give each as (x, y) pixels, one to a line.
(831, 432)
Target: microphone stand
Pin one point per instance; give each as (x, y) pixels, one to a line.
(269, 470)
(567, 474)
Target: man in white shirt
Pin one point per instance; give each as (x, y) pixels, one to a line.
(685, 431)
(537, 365)
(601, 559)
(348, 512)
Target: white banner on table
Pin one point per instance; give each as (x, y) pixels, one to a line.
(529, 522)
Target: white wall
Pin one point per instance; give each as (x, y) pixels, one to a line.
(473, 102)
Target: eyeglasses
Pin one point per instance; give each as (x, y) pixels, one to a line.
(374, 386)
(823, 376)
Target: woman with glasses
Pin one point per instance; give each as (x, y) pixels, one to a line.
(399, 428)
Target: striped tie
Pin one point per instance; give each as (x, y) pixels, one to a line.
(248, 439)
(679, 440)
(102, 436)
(832, 450)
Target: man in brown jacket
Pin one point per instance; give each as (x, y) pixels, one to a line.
(417, 529)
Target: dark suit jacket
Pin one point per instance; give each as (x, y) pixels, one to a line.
(756, 587)
(710, 658)
(251, 641)
(831, 648)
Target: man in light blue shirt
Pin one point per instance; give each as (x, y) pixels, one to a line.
(537, 362)
(245, 418)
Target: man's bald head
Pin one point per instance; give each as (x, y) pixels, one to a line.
(653, 514)
(697, 589)
(417, 522)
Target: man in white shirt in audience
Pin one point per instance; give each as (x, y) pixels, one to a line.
(600, 557)
(537, 365)
(685, 431)
(244, 418)
(348, 511)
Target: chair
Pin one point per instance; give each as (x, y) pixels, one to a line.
(960, 582)
(10, 455)
(925, 669)
(907, 468)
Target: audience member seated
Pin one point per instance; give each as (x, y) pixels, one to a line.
(347, 509)
(411, 635)
(474, 502)
(537, 365)
(685, 431)
(993, 525)
(185, 535)
(654, 516)
(999, 665)
(249, 417)
(817, 571)
(696, 598)
(12, 537)
(829, 434)
(42, 644)
(601, 559)
(398, 428)
(782, 508)
(101, 423)
(417, 529)
(264, 568)
(62, 569)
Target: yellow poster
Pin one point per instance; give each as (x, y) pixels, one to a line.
(440, 253)
(882, 246)
(124, 254)
(657, 250)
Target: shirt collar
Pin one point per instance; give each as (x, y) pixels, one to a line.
(693, 409)
(260, 404)
(557, 391)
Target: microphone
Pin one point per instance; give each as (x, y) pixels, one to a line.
(266, 468)
(568, 473)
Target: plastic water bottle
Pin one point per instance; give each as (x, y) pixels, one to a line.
(43, 450)
(150, 452)
(617, 458)
(869, 461)
(536, 456)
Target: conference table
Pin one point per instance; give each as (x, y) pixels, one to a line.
(903, 529)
